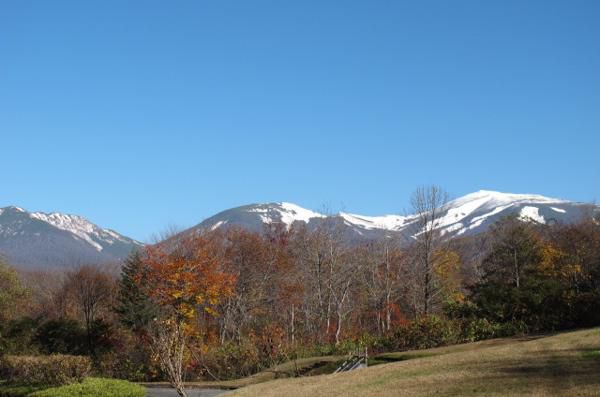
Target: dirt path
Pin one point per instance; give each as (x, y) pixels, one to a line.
(167, 392)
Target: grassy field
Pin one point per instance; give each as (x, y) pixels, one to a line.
(566, 364)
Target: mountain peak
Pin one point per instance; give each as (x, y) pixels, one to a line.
(508, 197)
(469, 214)
(12, 208)
(43, 239)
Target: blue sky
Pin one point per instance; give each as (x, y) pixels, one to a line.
(141, 114)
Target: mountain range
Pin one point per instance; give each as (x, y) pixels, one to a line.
(37, 239)
(42, 240)
(467, 215)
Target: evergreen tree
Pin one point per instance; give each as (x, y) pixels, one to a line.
(513, 288)
(135, 309)
(515, 253)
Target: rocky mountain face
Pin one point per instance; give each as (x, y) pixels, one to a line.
(41, 240)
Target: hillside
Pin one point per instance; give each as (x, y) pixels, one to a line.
(566, 364)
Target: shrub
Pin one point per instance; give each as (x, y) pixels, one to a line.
(513, 328)
(61, 336)
(17, 336)
(236, 360)
(134, 365)
(55, 369)
(479, 329)
(94, 387)
(347, 346)
(232, 360)
(428, 332)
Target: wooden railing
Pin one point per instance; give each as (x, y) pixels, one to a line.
(356, 359)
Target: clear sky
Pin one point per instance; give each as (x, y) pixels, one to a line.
(141, 114)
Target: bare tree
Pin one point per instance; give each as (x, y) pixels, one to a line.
(427, 203)
(45, 287)
(310, 258)
(167, 233)
(250, 257)
(330, 270)
(344, 267)
(91, 290)
(381, 279)
(168, 344)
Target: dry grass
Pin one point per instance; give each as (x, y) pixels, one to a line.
(284, 370)
(567, 364)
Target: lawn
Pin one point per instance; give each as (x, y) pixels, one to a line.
(90, 387)
(566, 364)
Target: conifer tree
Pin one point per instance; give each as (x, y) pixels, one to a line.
(135, 308)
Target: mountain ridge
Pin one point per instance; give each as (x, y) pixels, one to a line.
(41, 240)
(466, 215)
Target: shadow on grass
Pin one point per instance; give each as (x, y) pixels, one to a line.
(554, 372)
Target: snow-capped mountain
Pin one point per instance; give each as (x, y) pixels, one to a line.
(38, 239)
(475, 212)
(467, 215)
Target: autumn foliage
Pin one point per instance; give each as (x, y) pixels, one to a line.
(187, 278)
(229, 303)
(184, 280)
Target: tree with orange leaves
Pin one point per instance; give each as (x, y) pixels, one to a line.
(184, 280)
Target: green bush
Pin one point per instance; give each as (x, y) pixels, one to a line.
(94, 387)
(17, 335)
(55, 369)
(62, 336)
(479, 329)
(513, 328)
(428, 332)
(233, 360)
(423, 333)
(135, 365)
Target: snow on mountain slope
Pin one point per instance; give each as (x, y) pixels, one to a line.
(471, 211)
(470, 214)
(82, 228)
(38, 239)
(286, 213)
(385, 222)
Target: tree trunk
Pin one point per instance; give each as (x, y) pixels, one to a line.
(517, 275)
(426, 294)
(180, 391)
(293, 326)
(338, 330)
(388, 311)
(168, 342)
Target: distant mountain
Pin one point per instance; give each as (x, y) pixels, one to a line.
(467, 215)
(40, 240)
(37, 239)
